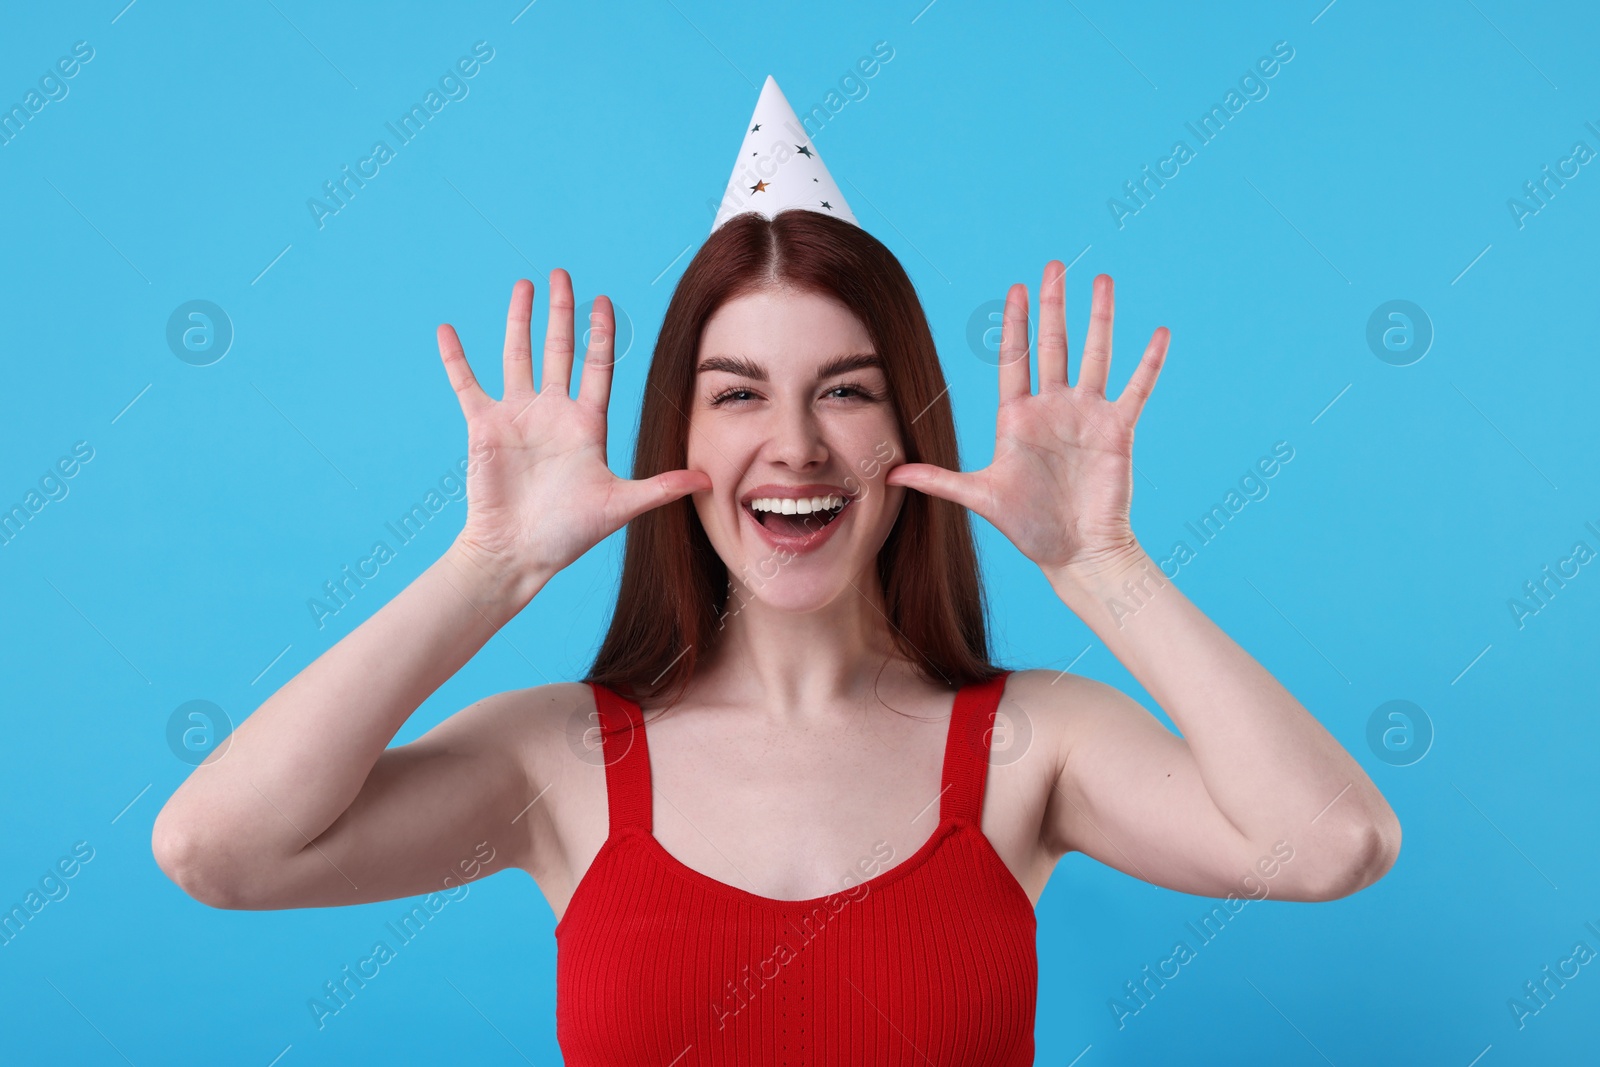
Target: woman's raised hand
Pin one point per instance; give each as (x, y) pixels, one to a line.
(539, 492)
(1061, 481)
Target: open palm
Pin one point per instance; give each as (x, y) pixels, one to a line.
(1061, 481)
(539, 491)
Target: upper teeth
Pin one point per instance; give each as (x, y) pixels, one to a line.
(802, 506)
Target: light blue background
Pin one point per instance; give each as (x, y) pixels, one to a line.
(1379, 567)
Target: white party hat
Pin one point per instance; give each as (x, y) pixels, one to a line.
(778, 167)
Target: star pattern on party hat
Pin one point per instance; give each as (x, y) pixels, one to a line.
(778, 167)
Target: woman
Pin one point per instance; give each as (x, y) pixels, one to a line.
(815, 818)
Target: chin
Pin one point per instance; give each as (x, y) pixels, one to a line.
(798, 583)
(796, 593)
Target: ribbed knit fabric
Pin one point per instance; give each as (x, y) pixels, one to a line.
(931, 961)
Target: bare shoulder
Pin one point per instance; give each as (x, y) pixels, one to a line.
(540, 707)
(1076, 718)
(542, 700)
(1106, 746)
(525, 727)
(1063, 705)
(522, 720)
(545, 725)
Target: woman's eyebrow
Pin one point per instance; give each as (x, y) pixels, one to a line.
(745, 368)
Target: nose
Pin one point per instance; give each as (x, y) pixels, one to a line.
(796, 440)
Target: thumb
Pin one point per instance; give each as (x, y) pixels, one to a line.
(937, 481)
(637, 497)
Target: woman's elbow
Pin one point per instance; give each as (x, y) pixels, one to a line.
(196, 866)
(1374, 847)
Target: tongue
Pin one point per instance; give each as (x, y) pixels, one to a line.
(794, 525)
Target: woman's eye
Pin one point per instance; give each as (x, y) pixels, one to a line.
(846, 391)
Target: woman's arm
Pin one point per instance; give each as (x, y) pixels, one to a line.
(304, 805)
(1254, 793)
(1202, 812)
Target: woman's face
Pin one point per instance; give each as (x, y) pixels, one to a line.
(792, 420)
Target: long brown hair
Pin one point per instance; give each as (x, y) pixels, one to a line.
(674, 585)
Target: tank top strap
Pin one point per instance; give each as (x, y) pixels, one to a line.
(966, 751)
(627, 760)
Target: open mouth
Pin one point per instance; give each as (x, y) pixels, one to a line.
(789, 517)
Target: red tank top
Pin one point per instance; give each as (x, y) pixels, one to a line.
(930, 961)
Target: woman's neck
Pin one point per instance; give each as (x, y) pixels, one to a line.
(796, 666)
